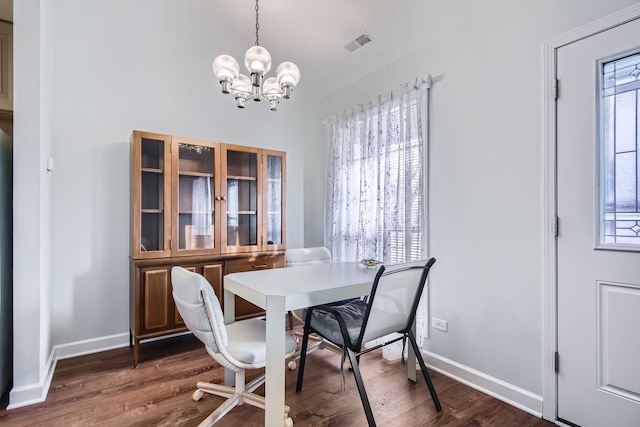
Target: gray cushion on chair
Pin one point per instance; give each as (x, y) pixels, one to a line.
(325, 323)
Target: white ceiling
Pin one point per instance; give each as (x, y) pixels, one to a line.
(313, 33)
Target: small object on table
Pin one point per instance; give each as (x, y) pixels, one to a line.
(370, 263)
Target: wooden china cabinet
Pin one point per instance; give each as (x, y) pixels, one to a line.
(210, 207)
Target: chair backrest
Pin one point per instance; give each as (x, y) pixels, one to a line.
(306, 256)
(200, 309)
(394, 299)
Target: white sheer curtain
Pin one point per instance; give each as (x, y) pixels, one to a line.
(376, 188)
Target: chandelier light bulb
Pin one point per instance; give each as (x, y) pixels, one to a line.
(226, 69)
(241, 89)
(288, 75)
(257, 60)
(271, 91)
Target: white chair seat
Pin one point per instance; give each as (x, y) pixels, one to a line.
(247, 342)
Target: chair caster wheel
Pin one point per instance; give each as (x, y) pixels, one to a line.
(197, 395)
(288, 422)
(292, 365)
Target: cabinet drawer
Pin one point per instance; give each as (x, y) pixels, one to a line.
(245, 309)
(253, 264)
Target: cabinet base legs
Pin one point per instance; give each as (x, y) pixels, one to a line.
(136, 352)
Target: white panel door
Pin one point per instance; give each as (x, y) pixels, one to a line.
(598, 277)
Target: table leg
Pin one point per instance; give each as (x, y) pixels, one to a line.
(229, 307)
(229, 317)
(411, 358)
(274, 370)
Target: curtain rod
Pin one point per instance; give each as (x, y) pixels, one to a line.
(424, 80)
(418, 82)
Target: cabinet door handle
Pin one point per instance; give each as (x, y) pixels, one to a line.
(259, 266)
(217, 197)
(223, 198)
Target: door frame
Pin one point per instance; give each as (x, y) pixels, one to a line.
(550, 267)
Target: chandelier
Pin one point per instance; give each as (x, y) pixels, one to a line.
(258, 62)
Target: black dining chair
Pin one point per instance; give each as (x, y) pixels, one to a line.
(391, 307)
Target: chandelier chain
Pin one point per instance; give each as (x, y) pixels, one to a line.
(257, 26)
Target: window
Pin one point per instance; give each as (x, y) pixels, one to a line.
(620, 165)
(375, 174)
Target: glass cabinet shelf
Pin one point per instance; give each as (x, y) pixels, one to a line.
(241, 178)
(152, 170)
(196, 212)
(188, 173)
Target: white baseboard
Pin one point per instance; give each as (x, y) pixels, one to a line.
(501, 390)
(94, 345)
(30, 394)
(37, 392)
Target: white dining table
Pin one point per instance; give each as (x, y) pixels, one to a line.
(280, 290)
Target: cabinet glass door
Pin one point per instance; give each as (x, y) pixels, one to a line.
(242, 172)
(195, 196)
(274, 198)
(151, 184)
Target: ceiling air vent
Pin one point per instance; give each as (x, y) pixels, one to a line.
(358, 42)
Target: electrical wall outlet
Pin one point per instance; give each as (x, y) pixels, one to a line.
(439, 324)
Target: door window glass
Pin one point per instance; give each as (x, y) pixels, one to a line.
(620, 112)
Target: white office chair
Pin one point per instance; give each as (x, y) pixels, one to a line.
(297, 258)
(307, 256)
(237, 346)
(391, 307)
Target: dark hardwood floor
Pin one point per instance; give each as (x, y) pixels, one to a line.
(104, 390)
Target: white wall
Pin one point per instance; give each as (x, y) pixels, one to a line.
(119, 66)
(87, 74)
(486, 173)
(32, 204)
